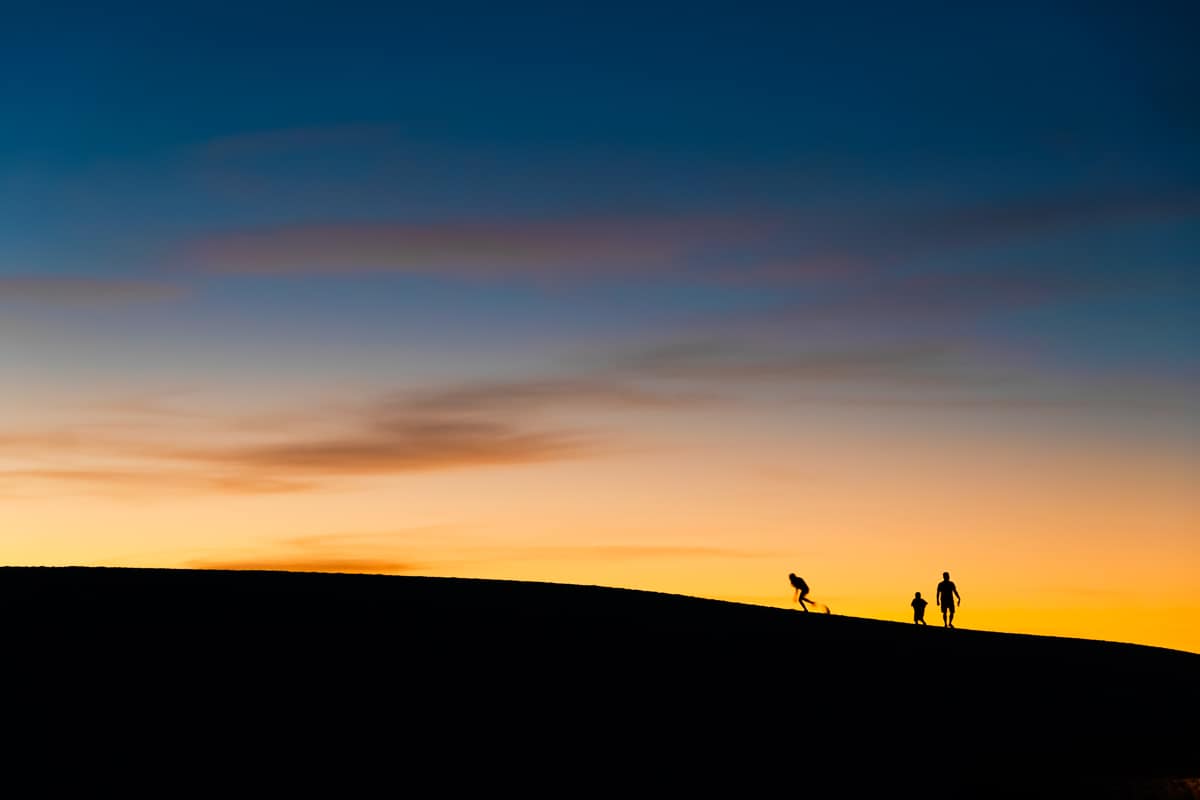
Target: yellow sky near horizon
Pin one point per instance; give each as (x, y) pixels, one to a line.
(1096, 541)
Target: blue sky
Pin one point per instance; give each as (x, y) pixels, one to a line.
(1024, 176)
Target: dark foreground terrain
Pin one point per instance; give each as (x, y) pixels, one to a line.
(275, 682)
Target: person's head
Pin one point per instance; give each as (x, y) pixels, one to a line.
(918, 595)
(945, 576)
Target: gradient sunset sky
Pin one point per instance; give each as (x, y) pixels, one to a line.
(678, 297)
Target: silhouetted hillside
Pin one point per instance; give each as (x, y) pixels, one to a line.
(518, 681)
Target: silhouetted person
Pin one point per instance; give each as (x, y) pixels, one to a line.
(947, 595)
(801, 590)
(918, 606)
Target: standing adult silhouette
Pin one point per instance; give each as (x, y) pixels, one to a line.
(947, 595)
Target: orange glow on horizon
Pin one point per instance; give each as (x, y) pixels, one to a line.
(1088, 541)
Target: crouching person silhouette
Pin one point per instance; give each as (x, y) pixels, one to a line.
(801, 595)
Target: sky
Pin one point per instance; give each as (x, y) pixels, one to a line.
(674, 297)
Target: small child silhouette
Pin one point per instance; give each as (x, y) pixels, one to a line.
(918, 605)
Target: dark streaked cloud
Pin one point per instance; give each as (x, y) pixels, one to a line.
(393, 447)
(301, 461)
(375, 439)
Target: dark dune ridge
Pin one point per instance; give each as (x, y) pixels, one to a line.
(510, 683)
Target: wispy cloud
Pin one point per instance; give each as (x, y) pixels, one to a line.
(366, 564)
(930, 296)
(696, 373)
(539, 394)
(272, 142)
(686, 374)
(551, 248)
(860, 253)
(172, 479)
(376, 553)
(619, 552)
(1035, 215)
(875, 238)
(83, 290)
(720, 361)
(542, 418)
(386, 554)
(903, 374)
(767, 246)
